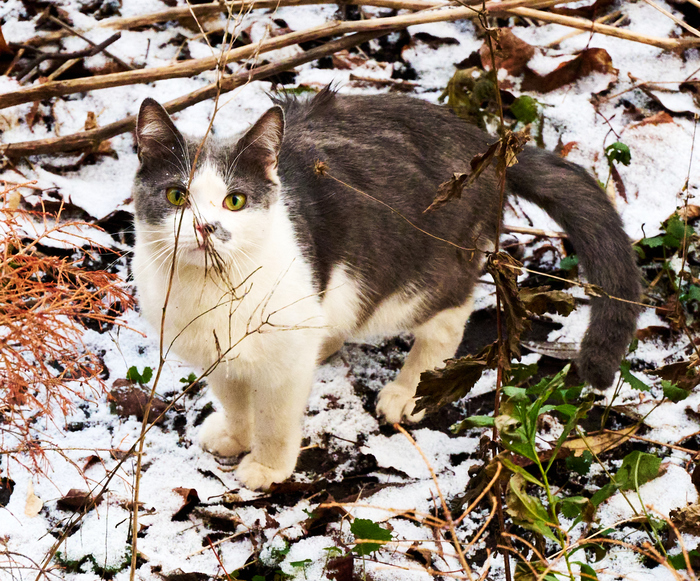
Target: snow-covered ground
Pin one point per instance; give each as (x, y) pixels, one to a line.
(349, 456)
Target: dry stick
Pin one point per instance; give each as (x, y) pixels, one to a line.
(193, 67)
(92, 138)
(583, 24)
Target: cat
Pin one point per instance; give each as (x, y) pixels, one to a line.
(309, 229)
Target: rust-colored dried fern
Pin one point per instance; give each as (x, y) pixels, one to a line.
(45, 301)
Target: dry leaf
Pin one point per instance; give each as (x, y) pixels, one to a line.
(4, 48)
(34, 504)
(686, 518)
(656, 119)
(600, 441)
(690, 212)
(132, 401)
(77, 499)
(191, 499)
(511, 53)
(588, 61)
(344, 60)
(90, 121)
(567, 147)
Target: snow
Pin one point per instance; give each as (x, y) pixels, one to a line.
(338, 425)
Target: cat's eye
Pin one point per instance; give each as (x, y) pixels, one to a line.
(176, 196)
(235, 202)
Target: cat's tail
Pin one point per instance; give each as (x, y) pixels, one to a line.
(578, 204)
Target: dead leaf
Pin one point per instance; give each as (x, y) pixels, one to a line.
(590, 12)
(439, 387)
(344, 60)
(541, 299)
(588, 61)
(505, 269)
(77, 500)
(34, 504)
(132, 401)
(32, 115)
(341, 569)
(90, 121)
(617, 180)
(683, 373)
(690, 212)
(565, 149)
(686, 518)
(511, 53)
(433, 41)
(599, 442)
(91, 461)
(7, 487)
(191, 499)
(656, 119)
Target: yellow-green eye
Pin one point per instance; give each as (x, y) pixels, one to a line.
(234, 202)
(175, 196)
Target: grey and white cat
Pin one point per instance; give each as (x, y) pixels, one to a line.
(278, 263)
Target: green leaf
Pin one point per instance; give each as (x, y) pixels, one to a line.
(527, 511)
(603, 494)
(301, 564)
(580, 464)
(631, 379)
(191, 378)
(364, 528)
(653, 242)
(673, 392)
(520, 373)
(678, 229)
(516, 394)
(567, 409)
(637, 468)
(618, 152)
(691, 294)
(258, 578)
(573, 506)
(473, 422)
(568, 262)
(133, 375)
(678, 561)
(146, 375)
(524, 109)
(587, 572)
(508, 463)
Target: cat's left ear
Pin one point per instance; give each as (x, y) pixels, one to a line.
(261, 144)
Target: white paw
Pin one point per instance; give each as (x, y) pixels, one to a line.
(216, 436)
(396, 403)
(256, 476)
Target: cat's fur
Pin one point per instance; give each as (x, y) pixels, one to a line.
(311, 261)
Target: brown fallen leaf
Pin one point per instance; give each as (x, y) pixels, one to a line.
(691, 212)
(90, 121)
(132, 401)
(191, 499)
(345, 60)
(684, 374)
(511, 53)
(566, 149)
(686, 518)
(599, 442)
(77, 499)
(589, 12)
(588, 61)
(656, 119)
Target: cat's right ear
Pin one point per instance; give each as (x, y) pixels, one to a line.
(155, 130)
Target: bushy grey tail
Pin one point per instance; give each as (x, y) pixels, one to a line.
(578, 204)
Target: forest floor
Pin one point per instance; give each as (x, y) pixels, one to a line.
(358, 477)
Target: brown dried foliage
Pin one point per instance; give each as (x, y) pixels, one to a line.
(45, 302)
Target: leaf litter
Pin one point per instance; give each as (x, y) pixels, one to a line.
(189, 499)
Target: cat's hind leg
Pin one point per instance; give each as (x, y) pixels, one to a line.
(435, 340)
(228, 432)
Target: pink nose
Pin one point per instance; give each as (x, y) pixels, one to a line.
(205, 229)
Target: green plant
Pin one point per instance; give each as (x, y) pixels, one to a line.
(141, 378)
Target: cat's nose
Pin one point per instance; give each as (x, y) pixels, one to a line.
(205, 229)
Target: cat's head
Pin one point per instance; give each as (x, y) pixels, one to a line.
(214, 196)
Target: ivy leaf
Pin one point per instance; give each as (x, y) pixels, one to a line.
(587, 572)
(618, 152)
(631, 379)
(574, 506)
(364, 528)
(146, 375)
(133, 375)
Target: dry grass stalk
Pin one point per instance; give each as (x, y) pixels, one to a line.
(45, 301)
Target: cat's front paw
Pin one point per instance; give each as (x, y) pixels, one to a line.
(396, 403)
(217, 436)
(256, 476)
